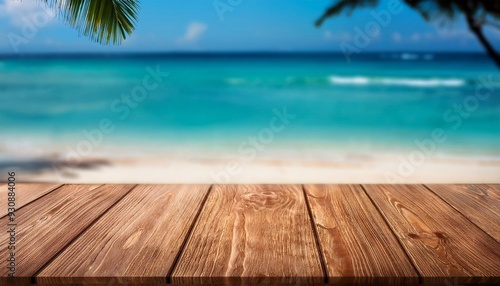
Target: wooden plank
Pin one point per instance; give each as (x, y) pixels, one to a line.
(251, 234)
(46, 226)
(479, 203)
(25, 194)
(495, 186)
(443, 245)
(357, 245)
(135, 242)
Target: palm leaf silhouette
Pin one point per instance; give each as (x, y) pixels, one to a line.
(103, 21)
(476, 13)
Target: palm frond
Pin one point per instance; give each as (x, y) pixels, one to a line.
(476, 12)
(491, 8)
(345, 5)
(431, 10)
(441, 10)
(437, 10)
(103, 21)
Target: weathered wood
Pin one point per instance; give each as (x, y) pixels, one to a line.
(50, 223)
(251, 234)
(479, 203)
(357, 245)
(443, 245)
(135, 242)
(25, 193)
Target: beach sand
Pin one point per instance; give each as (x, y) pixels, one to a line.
(348, 168)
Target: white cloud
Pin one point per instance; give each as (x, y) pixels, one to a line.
(460, 36)
(416, 37)
(193, 32)
(492, 30)
(21, 12)
(447, 34)
(439, 35)
(396, 37)
(428, 36)
(340, 36)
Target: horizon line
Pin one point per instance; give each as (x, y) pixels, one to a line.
(263, 52)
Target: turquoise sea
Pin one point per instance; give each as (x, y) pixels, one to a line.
(382, 101)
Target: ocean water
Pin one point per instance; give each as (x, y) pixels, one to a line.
(213, 102)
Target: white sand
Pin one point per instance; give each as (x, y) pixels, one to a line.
(359, 168)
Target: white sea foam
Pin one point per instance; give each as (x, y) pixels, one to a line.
(357, 80)
(423, 82)
(393, 81)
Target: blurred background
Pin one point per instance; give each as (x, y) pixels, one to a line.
(251, 92)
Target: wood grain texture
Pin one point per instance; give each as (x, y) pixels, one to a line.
(25, 193)
(494, 186)
(357, 245)
(135, 242)
(251, 234)
(479, 203)
(47, 225)
(443, 245)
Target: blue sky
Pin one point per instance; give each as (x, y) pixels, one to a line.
(252, 25)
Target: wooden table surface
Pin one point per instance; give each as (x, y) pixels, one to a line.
(254, 234)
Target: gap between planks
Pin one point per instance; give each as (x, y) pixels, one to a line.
(78, 235)
(233, 245)
(479, 211)
(25, 197)
(357, 245)
(188, 235)
(150, 224)
(420, 279)
(316, 236)
(71, 208)
(432, 233)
